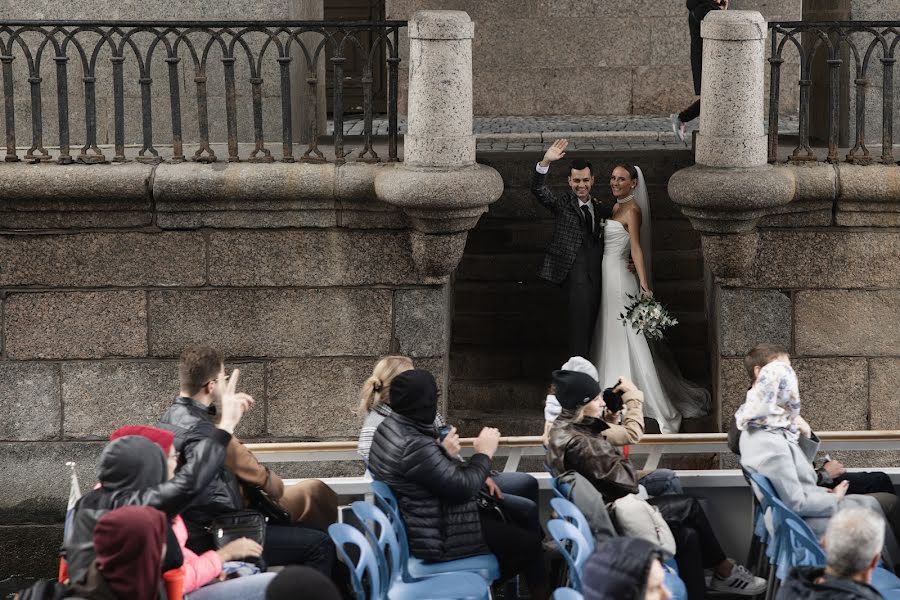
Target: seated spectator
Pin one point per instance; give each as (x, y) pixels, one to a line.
(853, 542)
(436, 492)
(832, 472)
(575, 444)
(623, 426)
(312, 504)
(289, 584)
(518, 491)
(776, 442)
(129, 543)
(624, 569)
(202, 572)
(132, 472)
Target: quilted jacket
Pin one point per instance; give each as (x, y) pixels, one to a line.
(436, 493)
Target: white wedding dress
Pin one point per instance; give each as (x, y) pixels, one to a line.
(619, 351)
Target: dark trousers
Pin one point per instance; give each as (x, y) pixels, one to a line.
(696, 545)
(299, 545)
(582, 287)
(518, 550)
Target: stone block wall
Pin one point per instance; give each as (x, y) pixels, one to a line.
(95, 308)
(831, 296)
(552, 57)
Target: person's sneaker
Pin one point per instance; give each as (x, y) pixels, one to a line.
(677, 127)
(741, 582)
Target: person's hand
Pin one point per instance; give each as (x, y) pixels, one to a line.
(451, 443)
(645, 289)
(555, 152)
(803, 427)
(834, 468)
(487, 441)
(238, 549)
(625, 385)
(234, 404)
(493, 488)
(840, 490)
(723, 4)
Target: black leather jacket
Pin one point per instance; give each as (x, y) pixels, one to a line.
(192, 424)
(436, 493)
(132, 471)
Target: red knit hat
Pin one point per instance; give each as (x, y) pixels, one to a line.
(160, 437)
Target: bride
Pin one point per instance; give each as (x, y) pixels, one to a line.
(619, 351)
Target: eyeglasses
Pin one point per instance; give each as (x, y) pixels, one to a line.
(224, 378)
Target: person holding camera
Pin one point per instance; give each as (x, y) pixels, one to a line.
(576, 443)
(622, 416)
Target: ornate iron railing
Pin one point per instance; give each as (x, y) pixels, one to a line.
(252, 54)
(861, 44)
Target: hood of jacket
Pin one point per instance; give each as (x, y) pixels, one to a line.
(619, 569)
(131, 462)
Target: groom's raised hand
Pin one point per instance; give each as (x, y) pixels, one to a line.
(555, 152)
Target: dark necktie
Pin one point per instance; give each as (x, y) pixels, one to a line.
(588, 220)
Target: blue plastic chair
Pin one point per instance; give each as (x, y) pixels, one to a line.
(412, 568)
(673, 582)
(572, 546)
(572, 514)
(343, 535)
(565, 593)
(468, 586)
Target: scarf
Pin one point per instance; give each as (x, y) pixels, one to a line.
(773, 402)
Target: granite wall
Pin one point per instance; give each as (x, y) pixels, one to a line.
(570, 57)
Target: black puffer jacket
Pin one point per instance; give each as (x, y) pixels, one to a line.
(801, 584)
(436, 493)
(192, 424)
(132, 471)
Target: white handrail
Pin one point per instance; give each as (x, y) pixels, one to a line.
(514, 448)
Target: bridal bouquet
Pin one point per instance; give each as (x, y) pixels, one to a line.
(647, 316)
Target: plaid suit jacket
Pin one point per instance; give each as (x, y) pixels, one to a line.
(568, 232)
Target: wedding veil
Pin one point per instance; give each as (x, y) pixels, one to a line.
(643, 201)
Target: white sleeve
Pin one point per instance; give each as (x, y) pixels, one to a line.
(542, 169)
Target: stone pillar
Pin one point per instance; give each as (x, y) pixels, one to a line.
(732, 96)
(439, 118)
(439, 185)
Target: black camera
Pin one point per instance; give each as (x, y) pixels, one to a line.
(613, 400)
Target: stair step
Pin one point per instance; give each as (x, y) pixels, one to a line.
(490, 363)
(509, 330)
(510, 423)
(521, 394)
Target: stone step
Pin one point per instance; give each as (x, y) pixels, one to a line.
(668, 265)
(516, 422)
(489, 363)
(538, 297)
(520, 394)
(503, 236)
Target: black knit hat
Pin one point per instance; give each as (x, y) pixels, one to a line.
(414, 395)
(574, 389)
(619, 569)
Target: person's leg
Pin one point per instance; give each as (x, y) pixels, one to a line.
(518, 550)
(517, 484)
(311, 502)
(252, 587)
(660, 482)
(690, 113)
(581, 323)
(866, 483)
(299, 545)
(687, 557)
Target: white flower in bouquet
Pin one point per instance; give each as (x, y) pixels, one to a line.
(647, 316)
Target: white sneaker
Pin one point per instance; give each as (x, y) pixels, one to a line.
(677, 127)
(741, 582)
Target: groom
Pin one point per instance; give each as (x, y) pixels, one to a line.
(574, 255)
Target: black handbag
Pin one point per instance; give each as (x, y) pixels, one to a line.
(263, 503)
(240, 524)
(490, 507)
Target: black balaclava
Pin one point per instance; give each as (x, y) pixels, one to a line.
(131, 463)
(414, 395)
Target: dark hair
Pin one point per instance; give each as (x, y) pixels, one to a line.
(579, 163)
(198, 366)
(761, 355)
(632, 171)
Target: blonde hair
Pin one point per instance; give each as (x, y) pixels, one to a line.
(377, 388)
